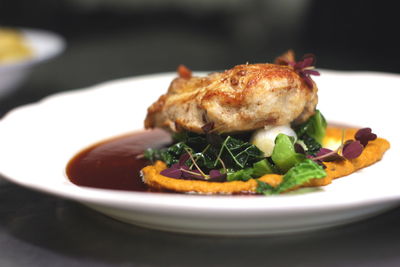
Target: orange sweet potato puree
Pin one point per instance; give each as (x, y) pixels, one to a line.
(372, 153)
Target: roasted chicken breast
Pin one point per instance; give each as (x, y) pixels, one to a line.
(246, 97)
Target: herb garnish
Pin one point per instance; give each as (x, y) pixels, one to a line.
(206, 153)
(305, 67)
(220, 158)
(365, 135)
(349, 149)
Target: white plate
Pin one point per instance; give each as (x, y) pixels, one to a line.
(36, 142)
(44, 45)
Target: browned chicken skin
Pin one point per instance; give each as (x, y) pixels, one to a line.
(246, 97)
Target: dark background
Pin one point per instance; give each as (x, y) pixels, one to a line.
(112, 39)
(108, 39)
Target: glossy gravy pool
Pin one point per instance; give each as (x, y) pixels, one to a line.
(115, 163)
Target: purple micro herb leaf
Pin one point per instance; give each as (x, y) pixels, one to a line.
(310, 59)
(328, 155)
(208, 127)
(192, 175)
(319, 162)
(312, 72)
(183, 158)
(304, 68)
(217, 176)
(323, 152)
(299, 148)
(365, 135)
(173, 172)
(307, 79)
(299, 65)
(352, 149)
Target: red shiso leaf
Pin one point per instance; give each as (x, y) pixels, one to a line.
(307, 79)
(352, 149)
(183, 158)
(217, 176)
(323, 151)
(299, 149)
(365, 135)
(173, 172)
(327, 155)
(310, 59)
(312, 72)
(192, 175)
(319, 162)
(299, 65)
(303, 67)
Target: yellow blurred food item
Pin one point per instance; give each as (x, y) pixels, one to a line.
(13, 46)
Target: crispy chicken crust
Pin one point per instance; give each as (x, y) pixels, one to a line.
(246, 97)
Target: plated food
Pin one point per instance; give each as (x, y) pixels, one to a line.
(252, 129)
(13, 46)
(51, 143)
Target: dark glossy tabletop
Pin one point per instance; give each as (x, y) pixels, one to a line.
(106, 43)
(41, 230)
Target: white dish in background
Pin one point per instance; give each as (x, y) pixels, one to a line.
(38, 140)
(44, 45)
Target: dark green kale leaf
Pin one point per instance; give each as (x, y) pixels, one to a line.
(205, 160)
(169, 155)
(312, 145)
(151, 154)
(209, 151)
(238, 154)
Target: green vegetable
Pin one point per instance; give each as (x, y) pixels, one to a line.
(239, 153)
(312, 145)
(259, 169)
(241, 175)
(168, 155)
(262, 167)
(296, 176)
(284, 155)
(233, 152)
(314, 127)
(300, 174)
(241, 160)
(264, 188)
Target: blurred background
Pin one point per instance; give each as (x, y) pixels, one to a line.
(109, 39)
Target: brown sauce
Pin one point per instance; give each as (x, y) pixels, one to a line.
(115, 163)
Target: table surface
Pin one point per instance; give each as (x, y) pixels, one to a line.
(41, 230)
